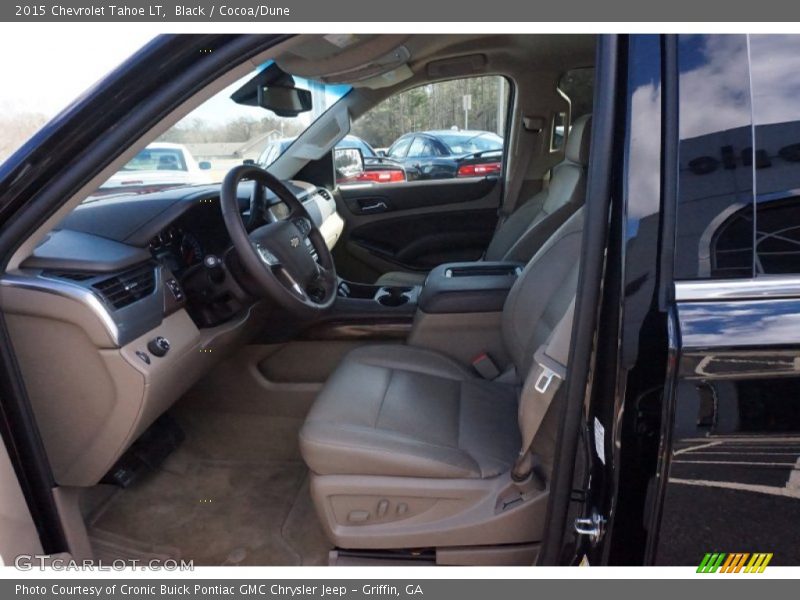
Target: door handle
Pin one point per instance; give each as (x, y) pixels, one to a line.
(378, 206)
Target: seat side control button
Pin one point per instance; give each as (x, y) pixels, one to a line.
(158, 346)
(143, 356)
(383, 507)
(358, 516)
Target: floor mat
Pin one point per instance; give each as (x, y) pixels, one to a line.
(244, 502)
(109, 548)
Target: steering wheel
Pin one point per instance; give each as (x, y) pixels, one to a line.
(288, 260)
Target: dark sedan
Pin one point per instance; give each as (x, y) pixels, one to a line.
(447, 154)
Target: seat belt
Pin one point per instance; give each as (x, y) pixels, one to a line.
(543, 381)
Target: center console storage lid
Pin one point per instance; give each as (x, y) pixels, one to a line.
(469, 287)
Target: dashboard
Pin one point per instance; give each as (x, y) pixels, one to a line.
(153, 243)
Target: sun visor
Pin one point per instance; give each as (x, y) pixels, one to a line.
(345, 58)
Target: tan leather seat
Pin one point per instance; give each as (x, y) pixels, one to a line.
(525, 230)
(396, 425)
(410, 412)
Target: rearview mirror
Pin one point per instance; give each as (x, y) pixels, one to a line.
(284, 101)
(348, 163)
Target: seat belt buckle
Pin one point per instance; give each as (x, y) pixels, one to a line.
(544, 379)
(485, 366)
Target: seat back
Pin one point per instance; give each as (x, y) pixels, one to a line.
(542, 293)
(528, 228)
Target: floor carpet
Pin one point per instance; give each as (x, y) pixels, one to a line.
(234, 493)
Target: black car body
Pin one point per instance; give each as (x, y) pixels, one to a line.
(448, 153)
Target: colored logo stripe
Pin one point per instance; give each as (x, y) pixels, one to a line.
(734, 563)
(758, 563)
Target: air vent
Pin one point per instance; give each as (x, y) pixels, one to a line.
(128, 287)
(71, 275)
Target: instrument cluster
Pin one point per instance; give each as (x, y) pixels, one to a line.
(177, 249)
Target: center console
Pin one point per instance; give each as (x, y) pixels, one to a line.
(469, 287)
(456, 311)
(388, 296)
(460, 311)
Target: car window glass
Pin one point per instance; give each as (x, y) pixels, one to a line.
(775, 76)
(269, 155)
(714, 229)
(463, 122)
(417, 148)
(558, 129)
(400, 148)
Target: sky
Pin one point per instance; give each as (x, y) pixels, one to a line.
(45, 75)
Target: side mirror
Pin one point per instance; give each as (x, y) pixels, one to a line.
(284, 101)
(348, 163)
(204, 165)
(247, 161)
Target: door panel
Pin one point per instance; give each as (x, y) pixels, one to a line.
(414, 226)
(733, 481)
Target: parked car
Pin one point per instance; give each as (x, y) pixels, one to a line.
(448, 153)
(159, 166)
(377, 169)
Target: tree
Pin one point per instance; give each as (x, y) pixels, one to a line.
(435, 106)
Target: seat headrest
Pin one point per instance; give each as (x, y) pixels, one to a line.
(579, 140)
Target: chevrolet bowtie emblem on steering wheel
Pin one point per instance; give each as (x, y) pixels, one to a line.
(294, 242)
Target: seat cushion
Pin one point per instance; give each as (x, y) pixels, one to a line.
(401, 279)
(409, 412)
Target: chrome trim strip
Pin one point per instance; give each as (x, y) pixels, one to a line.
(67, 290)
(761, 288)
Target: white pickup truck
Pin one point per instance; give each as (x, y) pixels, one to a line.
(160, 165)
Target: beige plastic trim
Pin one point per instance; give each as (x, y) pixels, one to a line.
(497, 556)
(18, 533)
(403, 512)
(331, 229)
(461, 336)
(25, 296)
(92, 402)
(67, 501)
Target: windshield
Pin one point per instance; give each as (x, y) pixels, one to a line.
(221, 133)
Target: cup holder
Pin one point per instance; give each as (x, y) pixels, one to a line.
(394, 296)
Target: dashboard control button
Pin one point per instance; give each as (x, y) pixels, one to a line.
(175, 288)
(158, 346)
